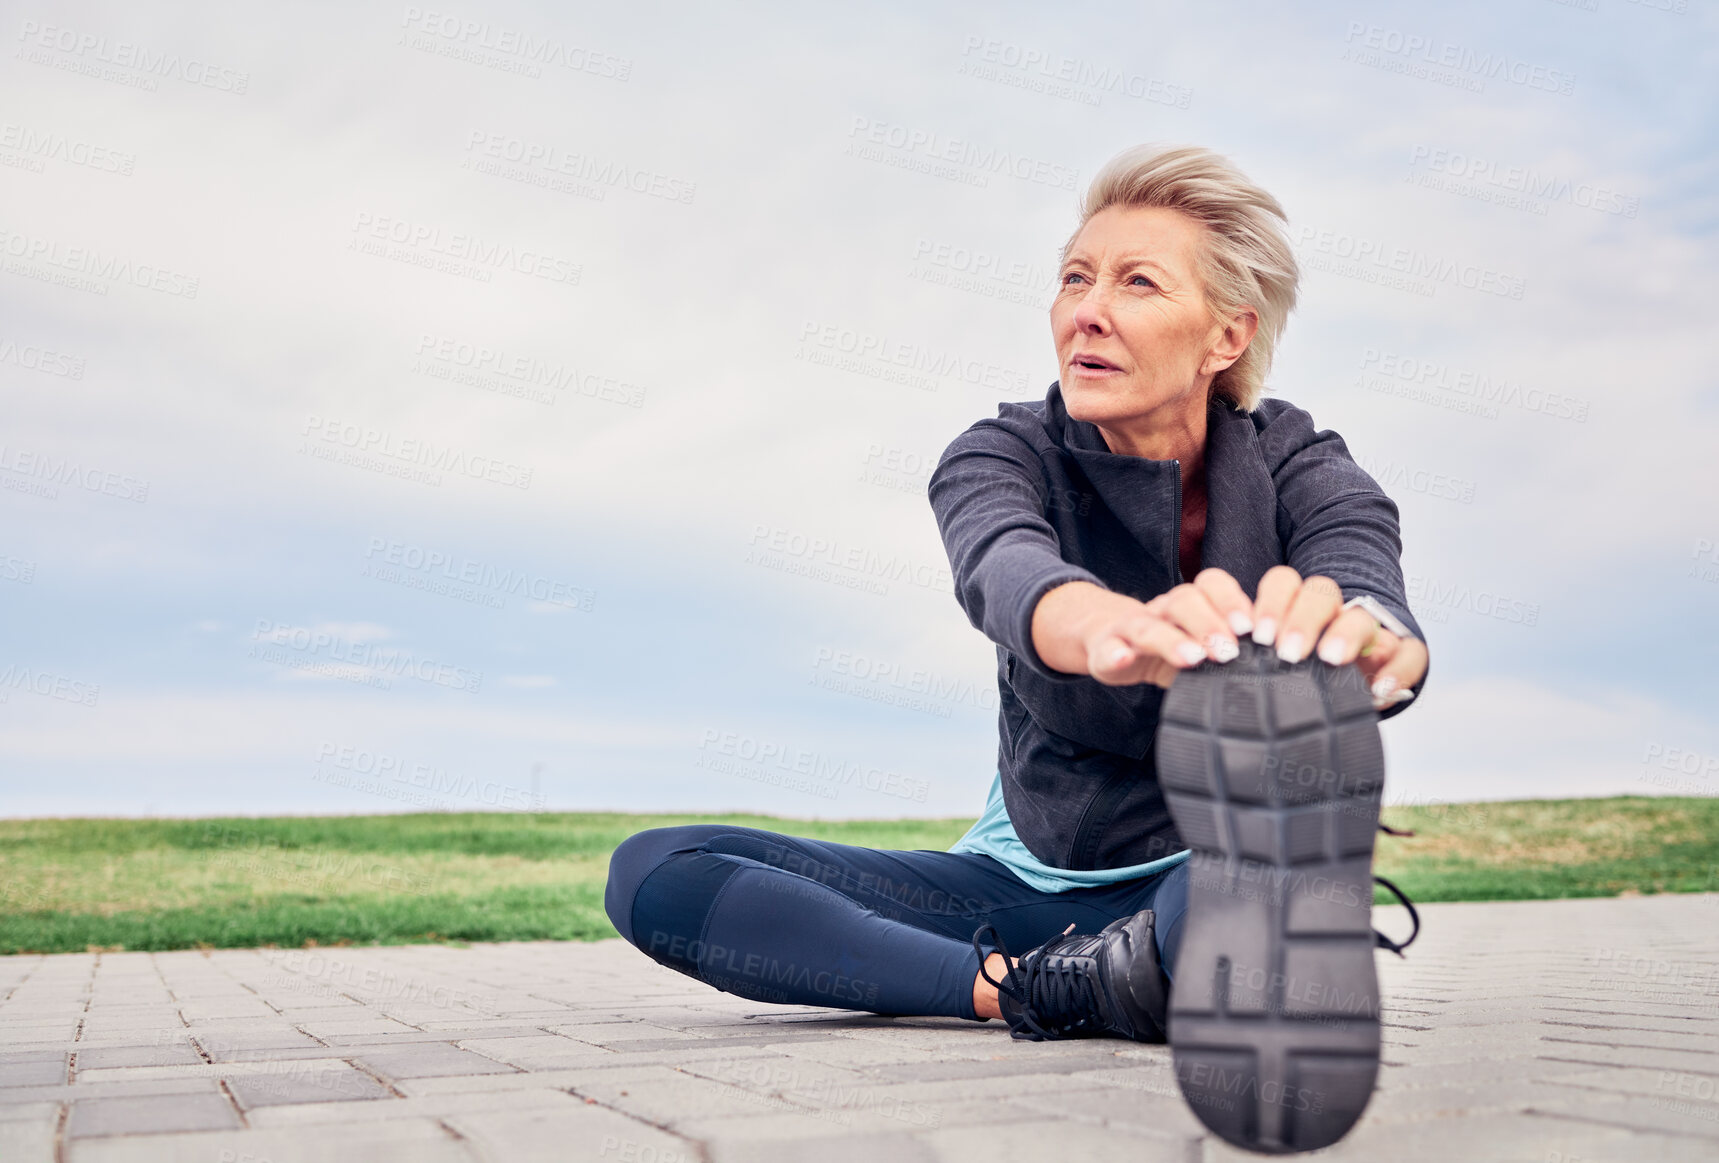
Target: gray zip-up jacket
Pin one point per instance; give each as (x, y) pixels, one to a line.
(1034, 499)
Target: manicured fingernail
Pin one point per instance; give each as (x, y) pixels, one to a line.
(1191, 653)
(1293, 648)
(1383, 688)
(1221, 649)
(1240, 623)
(1331, 650)
(1402, 696)
(1266, 632)
(1120, 655)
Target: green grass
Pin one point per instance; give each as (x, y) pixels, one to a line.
(68, 885)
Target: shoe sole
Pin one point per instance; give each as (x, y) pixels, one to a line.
(1273, 774)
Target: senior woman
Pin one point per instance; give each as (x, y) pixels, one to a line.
(1199, 615)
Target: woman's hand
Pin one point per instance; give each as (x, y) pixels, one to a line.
(1080, 628)
(1295, 613)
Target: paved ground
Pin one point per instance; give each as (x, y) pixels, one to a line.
(1554, 1032)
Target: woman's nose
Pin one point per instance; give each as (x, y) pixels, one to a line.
(1092, 313)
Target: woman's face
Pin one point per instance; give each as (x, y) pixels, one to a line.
(1134, 339)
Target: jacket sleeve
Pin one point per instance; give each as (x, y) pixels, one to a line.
(990, 497)
(1333, 518)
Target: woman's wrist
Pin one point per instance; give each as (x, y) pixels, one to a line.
(1064, 619)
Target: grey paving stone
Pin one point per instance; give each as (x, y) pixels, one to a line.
(429, 1061)
(22, 1095)
(29, 1140)
(1057, 1139)
(1665, 1113)
(20, 1034)
(154, 1115)
(316, 1082)
(34, 1068)
(668, 1098)
(107, 1057)
(619, 1033)
(454, 1033)
(420, 1106)
(350, 1026)
(543, 1052)
(584, 1134)
(399, 1141)
(896, 1147)
(224, 1044)
(618, 1069)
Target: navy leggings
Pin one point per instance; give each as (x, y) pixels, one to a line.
(807, 922)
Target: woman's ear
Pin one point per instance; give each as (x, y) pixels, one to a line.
(1231, 342)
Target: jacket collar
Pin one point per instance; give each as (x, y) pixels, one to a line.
(1241, 498)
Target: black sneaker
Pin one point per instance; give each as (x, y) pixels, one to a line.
(1084, 985)
(1273, 773)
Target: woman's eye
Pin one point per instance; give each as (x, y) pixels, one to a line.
(1072, 277)
(1141, 281)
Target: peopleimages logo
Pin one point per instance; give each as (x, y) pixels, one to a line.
(1053, 74)
(529, 50)
(49, 685)
(64, 264)
(376, 767)
(459, 247)
(482, 364)
(1447, 62)
(433, 566)
(46, 145)
(1371, 257)
(1430, 373)
(44, 471)
(605, 173)
(852, 565)
(939, 147)
(863, 349)
(33, 357)
(731, 753)
(88, 47)
(1435, 599)
(321, 651)
(423, 454)
(1523, 180)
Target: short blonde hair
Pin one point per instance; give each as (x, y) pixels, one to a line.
(1246, 260)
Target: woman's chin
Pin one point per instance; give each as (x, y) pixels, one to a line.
(1096, 402)
(1115, 400)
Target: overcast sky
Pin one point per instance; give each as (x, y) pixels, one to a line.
(532, 404)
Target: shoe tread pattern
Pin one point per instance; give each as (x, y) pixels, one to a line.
(1274, 774)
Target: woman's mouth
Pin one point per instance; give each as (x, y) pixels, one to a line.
(1092, 365)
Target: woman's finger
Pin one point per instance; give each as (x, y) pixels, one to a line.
(1406, 667)
(1228, 598)
(1316, 604)
(1138, 668)
(1374, 659)
(1347, 636)
(1276, 591)
(1191, 610)
(1162, 639)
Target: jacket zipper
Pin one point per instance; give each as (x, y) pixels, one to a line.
(1103, 802)
(1176, 529)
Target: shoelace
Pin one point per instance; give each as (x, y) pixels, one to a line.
(1379, 939)
(1043, 991)
(1385, 942)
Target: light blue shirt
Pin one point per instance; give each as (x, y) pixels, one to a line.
(994, 835)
